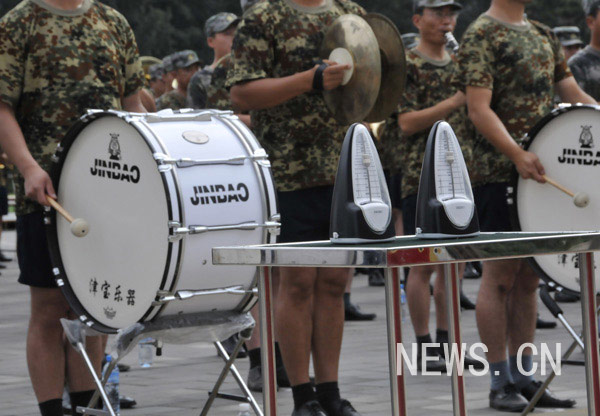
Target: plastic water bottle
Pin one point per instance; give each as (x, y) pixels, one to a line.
(404, 309)
(244, 409)
(146, 352)
(112, 386)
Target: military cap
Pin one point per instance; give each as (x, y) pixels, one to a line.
(432, 4)
(183, 59)
(568, 35)
(410, 40)
(156, 71)
(167, 63)
(219, 23)
(246, 4)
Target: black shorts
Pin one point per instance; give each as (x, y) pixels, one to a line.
(492, 208)
(3, 200)
(409, 214)
(305, 214)
(394, 184)
(32, 251)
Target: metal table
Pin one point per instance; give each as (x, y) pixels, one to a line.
(412, 251)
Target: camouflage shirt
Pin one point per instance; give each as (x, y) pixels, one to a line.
(172, 99)
(217, 95)
(198, 87)
(276, 39)
(520, 65)
(428, 82)
(585, 66)
(55, 64)
(389, 146)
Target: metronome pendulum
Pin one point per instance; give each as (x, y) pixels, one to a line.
(361, 210)
(445, 203)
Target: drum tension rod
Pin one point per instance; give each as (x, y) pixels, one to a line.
(164, 297)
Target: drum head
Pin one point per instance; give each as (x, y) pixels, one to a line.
(107, 175)
(567, 143)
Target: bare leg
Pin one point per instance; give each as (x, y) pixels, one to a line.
(254, 341)
(439, 296)
(293, 320)
(328, 322)
(496, 283)
(45, 343)
(417, 293)
(522, 309)
(78, 375)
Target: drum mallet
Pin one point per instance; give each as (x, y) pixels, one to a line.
(79, 226)
(580, 199)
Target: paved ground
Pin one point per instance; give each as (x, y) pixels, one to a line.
(178, 381)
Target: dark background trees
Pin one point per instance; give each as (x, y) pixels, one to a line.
(164, 26)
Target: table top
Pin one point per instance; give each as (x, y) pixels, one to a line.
(410, 250)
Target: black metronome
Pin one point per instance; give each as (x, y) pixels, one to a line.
(445, 204)
(361, 210)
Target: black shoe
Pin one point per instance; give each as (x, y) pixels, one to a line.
(282, 378)
(4, 258)
(344, 409)
(566, 297)
(541, 324)
(507, 399)
(2, 266)
(376, 277)
(312, 408)
(472, 362)
(439, 364)
(229, 345)
(352, 313)
(471, 272)
(254, 380)
(465, 302)
(548, 399)
(123, 368)
(360, 270)
(126, 402)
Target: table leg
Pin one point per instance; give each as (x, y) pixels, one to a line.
(267, 349)
(453, 308)
(590, 331)
(394, 329)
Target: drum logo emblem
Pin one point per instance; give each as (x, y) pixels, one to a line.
(114, 148)
(110, 312)
(586, 139)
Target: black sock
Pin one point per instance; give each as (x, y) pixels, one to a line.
(346, 299)
(328, 395)
(278, 358)
(441, 337)
(51, 407)
(423, 339)
(80, 398)
(303, 393)
(255, 358)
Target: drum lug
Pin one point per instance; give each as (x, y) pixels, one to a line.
(163, 297)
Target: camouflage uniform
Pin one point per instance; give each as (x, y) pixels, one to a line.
(197, 88)
(520, 65)
(428, 82)
(55, 64)
(217, 95)
(585, 66)
(276, 39)
(172, 99)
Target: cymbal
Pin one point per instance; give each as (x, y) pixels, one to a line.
(393, 67)
(350, 103)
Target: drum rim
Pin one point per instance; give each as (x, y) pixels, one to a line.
(52, 233)
(511, 196)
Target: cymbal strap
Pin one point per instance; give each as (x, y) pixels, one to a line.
(318, 77)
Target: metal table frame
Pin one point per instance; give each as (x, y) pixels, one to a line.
(410, 251)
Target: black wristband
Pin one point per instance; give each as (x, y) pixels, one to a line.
(318, 77)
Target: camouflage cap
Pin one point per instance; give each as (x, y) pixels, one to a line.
(156, 71)
(167, 63)
(183, 59)
(246, 4)
(219, 23)
(568, 35)
(432, 4)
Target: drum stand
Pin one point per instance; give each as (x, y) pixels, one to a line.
(558, 314)
(76, 331)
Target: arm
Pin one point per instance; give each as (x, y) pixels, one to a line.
(491, 127)
(270, 92)
(570, 92)
(416, 121)
(133, 103)
(37, 181)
